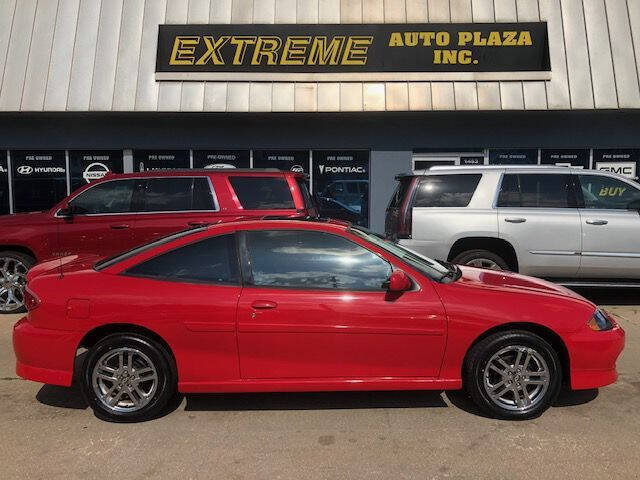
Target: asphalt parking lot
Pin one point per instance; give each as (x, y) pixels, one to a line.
(48, 432)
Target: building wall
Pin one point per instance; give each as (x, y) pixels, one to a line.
(99, 55)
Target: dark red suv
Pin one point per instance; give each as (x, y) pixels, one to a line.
(119, 212)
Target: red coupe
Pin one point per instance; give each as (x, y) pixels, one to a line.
(281, 305)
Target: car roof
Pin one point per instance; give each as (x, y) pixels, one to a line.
(271, 223)
(258, 172)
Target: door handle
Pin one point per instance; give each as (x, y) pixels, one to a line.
(263, 304)
(515, 220)
(198, 224)
(597, 222)
(120, 226)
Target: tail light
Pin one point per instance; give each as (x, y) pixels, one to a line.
(405, 222)
(400, 213)
(31, 301)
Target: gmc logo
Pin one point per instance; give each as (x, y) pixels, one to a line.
(626, 169)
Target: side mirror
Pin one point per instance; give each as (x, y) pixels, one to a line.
(398, 282)
(65, 212)
(634, 205)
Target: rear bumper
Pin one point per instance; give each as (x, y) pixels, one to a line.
(44, 355)
(593, 357)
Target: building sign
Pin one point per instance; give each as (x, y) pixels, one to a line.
(623, 161)
(522, 156)
(565, 157)
(144, 160)
(472, 160)
(294, 160)
(4, 183)
(356, 52)
(221, 159)
(341, 184)
(39, 179)
(89, 165)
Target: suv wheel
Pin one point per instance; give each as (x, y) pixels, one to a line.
(481, 259)
(514, 375)
(128, 378)
(13, 278)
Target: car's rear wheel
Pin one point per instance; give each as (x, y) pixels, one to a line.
(128, 378)
(481, 259)
(13, 279)
(513, 375)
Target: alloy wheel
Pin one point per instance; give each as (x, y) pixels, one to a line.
(124, 380)
(13, 278)
(484, 263)
(516, 378)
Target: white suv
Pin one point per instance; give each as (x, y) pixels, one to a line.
(567, 224)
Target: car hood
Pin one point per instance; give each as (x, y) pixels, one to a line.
(507, 281)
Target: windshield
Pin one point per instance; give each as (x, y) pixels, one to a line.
(431, 268)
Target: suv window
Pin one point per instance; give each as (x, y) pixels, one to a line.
(401, 190)
(177, 194)
(302, 259)
(607, 193)
(108, 197)
(212, 260)
(262, 193)
(446, 190)
(536, 190)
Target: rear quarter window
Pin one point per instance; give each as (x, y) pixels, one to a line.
(446, 190)
(262, 193)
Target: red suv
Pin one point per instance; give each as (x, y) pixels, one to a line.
(119, 212)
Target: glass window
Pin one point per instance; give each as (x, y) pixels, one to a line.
(607, 193)
(262, 193)
(446, 190)
(178, 194)
(536, 191)
(302, 259)
(107, 197)
(401, 190)
(212, 260)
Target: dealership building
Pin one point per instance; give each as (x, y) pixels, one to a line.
(353, 92)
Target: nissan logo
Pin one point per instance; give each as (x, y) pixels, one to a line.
(25, 170)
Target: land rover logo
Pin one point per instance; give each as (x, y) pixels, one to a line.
(219, 165)
(25, 170)
(95, 171)
(297, 169)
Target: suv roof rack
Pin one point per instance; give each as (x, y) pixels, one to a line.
(492, 167)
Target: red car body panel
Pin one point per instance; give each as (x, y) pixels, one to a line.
(224, 340)
(45, 236)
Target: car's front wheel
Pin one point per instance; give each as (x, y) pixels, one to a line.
(128, 378)
(513, 375)
(13, 278)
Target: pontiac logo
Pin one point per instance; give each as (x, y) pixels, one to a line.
(25, 169)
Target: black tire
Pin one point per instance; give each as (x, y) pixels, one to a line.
(476, 364)
(28, 261)
(465, 258)
(162, 362)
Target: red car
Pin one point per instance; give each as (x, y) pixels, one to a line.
(121, 211)
(285, 305)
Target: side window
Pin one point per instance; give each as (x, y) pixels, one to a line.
(262, 193)
(302, 259)
(536, 191)
(446, 190)
(108, 197)
(212, 260)
(177, 194)
(607, 193)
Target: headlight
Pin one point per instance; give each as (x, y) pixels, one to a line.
(600, 321)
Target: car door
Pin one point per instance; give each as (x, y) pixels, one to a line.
(610, 217)
(102, 220)
(314, 306)
(538, 215)
(171, 204)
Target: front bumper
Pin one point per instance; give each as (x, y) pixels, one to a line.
(44, 355)
(593, 357)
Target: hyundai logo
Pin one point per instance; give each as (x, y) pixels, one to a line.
(25, 170)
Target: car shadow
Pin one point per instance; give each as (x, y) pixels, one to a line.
(610, 296)
(63, 397)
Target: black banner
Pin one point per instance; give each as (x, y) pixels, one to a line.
(221, 159)
(4, 183)
(89, 165)
(517, 156)
(471, 160)
(565, 157)
(341, 184)
(623, 161)
(352, 48)
(39, 179)
(144, 160)
(294, 160)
